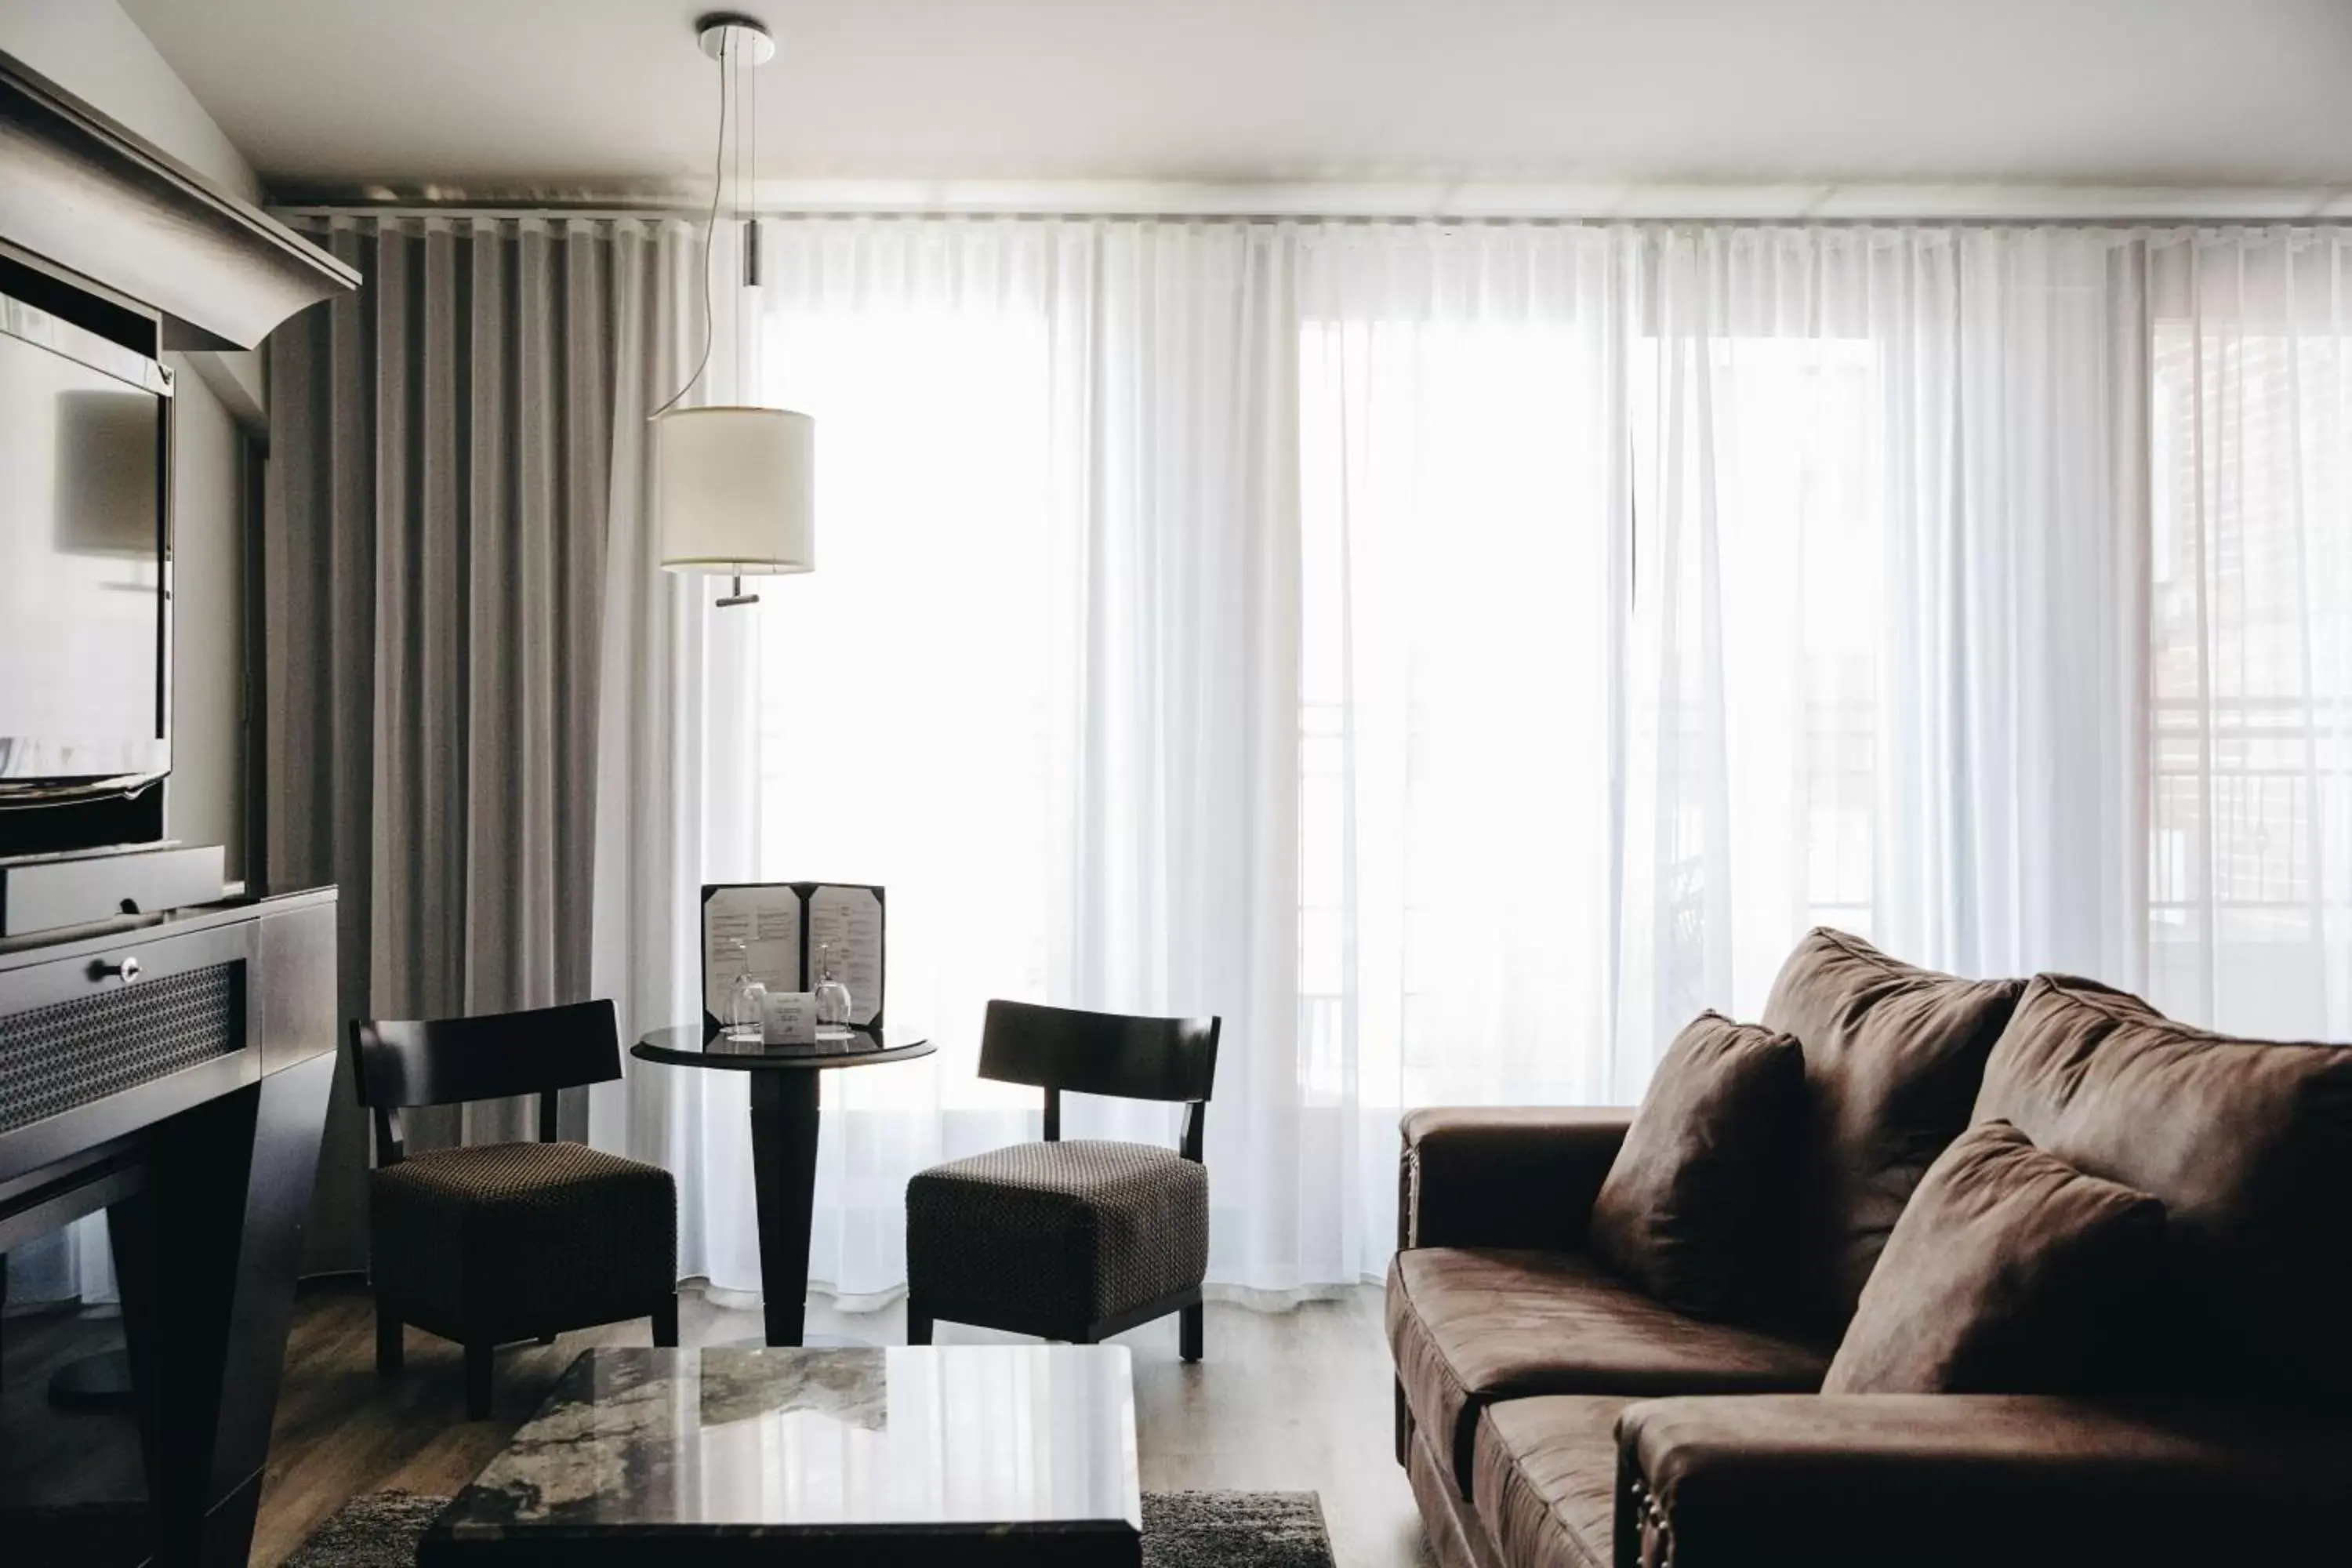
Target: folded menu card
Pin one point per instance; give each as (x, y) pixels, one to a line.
(775, 929)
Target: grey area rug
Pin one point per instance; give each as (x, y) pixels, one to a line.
(1181, 1530)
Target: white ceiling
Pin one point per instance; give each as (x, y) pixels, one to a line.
(490, 97)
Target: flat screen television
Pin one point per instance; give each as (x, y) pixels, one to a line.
(85, 563)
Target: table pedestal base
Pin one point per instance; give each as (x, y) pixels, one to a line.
(783, 1139)
(783, 1177)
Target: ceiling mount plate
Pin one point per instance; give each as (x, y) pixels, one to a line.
(749, 39)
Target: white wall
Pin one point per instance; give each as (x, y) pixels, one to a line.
(94, 51)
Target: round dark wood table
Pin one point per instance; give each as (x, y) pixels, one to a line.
(783, 1137)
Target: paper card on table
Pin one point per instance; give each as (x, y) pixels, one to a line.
(847, 922)
(790, 1019)
(754, 926)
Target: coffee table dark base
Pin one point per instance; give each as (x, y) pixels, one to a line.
(866, 1457)
(743, 1546)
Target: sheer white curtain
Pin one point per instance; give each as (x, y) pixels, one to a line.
(1464, 566)
(1039, 688)
(1885, 672)
(1925, 626)
(1456, 655)
(2036, 646)
(2250, 401)
(1177, 887)
(836, 729)
(887, 719)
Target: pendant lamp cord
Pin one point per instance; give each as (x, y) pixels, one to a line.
(709, 235)
(749, 144)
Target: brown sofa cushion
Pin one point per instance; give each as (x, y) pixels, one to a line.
(1684, 1210)
(1470, 1325)
(1544, 1478)
(1894, 1056)
(2247, 1143)
(1991, 1480)
(2009, 1273)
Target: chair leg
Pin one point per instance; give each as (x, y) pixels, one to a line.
(1188, 1333)
(388, 1346)
(666, 1322)
(477, 1379)
(918, 1323)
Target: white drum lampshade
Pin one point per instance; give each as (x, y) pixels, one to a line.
(735, 491)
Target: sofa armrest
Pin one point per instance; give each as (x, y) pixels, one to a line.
(1930, 1480)
(1504, 1177)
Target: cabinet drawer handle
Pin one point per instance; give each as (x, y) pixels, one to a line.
(126, 968)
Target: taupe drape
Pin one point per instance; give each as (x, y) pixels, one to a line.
(440, 458)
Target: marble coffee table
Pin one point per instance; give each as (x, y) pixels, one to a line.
(953, 1454)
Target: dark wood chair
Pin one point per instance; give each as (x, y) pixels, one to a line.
(1075, 1240)
(496, 1243)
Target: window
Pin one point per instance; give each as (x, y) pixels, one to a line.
(901, 711)
(2251, 620)
(1509, 775)
(1457, 571)
(1753, 706)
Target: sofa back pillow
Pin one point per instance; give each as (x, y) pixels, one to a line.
(2009, 1272)
(1684, 1212)
(1894, 1057)
(2247, 1143)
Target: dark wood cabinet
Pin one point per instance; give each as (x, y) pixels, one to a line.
(175, 1073)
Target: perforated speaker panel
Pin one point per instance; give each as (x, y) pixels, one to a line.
(56, 1057)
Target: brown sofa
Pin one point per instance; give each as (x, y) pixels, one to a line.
(1549, 1413)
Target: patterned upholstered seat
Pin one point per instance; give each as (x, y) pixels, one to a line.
(519, 1239)
(507, 1241)
(1067, 1234)
(1079, 1240)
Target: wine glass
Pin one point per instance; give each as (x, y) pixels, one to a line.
(832, 999)
(746, 1000)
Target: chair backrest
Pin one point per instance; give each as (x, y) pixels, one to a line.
(1059, 1049)
(447, 1062)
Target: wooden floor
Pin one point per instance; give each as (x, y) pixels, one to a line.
(1289, 1402)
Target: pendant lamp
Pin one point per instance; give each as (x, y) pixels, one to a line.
(734, 486)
